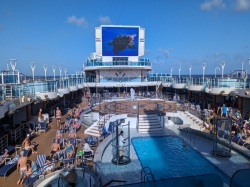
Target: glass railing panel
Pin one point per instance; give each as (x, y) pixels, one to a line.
(209, 180)
(241, 178)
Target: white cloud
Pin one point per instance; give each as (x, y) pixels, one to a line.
(105, 20)
(81, 22)
(241, 5)
(1, 27)
(147, 51)
(165, 52)
(209, 5)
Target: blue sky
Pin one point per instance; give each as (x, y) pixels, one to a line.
(178, 32)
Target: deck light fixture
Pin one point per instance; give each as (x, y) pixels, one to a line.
(223, 63)
(60, 70)
(203, 70)
(45, 67)
(190, 69)
(215, 71)
(179, 71)
(33, 66)
(54, 71)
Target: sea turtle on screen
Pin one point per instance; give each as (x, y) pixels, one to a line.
(121, 42)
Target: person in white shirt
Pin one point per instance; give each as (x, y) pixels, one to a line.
(121, 142)
(132, 93)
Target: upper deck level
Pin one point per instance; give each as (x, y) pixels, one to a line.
(117, 63)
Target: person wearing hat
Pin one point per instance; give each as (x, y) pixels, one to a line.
(71, 177)
(27, 144)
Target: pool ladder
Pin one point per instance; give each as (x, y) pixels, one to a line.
(146, 173)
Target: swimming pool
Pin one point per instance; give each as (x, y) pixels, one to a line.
(168, 158)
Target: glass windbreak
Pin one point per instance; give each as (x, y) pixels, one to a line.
(209, 180)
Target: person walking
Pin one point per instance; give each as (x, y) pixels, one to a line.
(132, 93)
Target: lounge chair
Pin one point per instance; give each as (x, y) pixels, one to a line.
(40, 162)
(42, 127)
(68, 160)
(73, 141)
(32, 125)
(9, 166)
(92, 141)
(88, 155)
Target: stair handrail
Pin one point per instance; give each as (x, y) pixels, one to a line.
(143, 170)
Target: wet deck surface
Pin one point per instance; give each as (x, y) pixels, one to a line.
(44, 142)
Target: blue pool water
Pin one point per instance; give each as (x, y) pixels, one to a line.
(168, 158)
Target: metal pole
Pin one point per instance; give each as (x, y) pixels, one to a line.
(54, 71)
(190, 69)
(203, 68)
(223, 63)
(179, 72)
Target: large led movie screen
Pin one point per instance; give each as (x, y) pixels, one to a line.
(120, 41)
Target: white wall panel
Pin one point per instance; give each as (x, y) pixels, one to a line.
(98, 41)
(141, 41)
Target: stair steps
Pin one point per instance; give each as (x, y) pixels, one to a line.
(149, 123)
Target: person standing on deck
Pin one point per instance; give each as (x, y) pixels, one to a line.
(132, 93)
(39, 116)
(21, 168)
(224, 110)
(121, 142)
(58, 116)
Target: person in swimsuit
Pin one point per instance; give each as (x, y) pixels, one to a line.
(54, 148)
(58, 116)
(69, 149)
(2, 157)
(72, 133)
(27, 144)
(39, 116)
(21, 168)
(59, 136)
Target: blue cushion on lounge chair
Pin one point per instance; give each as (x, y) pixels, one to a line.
(9, 165)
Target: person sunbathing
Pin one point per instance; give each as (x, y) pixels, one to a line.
(54, 148)
(72, 134)
(59, 136)
(32, 132)
(2, 157)
(27, 144)
(76, 124)
(69, 149)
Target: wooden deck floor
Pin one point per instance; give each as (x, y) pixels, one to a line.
(44, 141)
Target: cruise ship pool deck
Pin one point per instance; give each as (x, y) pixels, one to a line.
(131, 173)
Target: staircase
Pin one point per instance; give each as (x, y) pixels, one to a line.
(93, 130)
(8, 92)
(149, 123)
